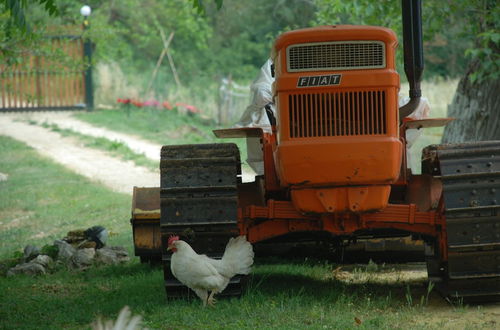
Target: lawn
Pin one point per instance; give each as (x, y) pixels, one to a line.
(41, 201)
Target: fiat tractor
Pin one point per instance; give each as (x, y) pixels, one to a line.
(335, 167)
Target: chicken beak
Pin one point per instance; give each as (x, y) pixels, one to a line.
(170, 247)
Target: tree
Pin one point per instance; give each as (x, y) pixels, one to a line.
(476, 104)
(15, 30)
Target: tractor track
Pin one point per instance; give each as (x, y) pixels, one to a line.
(470, 174)
(198, 194)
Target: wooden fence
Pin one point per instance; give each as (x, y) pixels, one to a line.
(233, 100)
(51, 79)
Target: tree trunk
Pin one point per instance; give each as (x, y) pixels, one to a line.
(476, 109)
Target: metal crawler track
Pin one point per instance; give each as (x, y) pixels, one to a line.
(470, 174)
(198, 197)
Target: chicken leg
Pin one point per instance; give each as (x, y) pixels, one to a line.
(203, 294)
(211, 300)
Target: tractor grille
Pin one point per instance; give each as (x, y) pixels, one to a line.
(346, 55)
(337, 114)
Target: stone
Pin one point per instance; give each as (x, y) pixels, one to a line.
(29, 268)
(75, 237)
(121, 252)
(3, 177)
(112, 255)
(66, 251)
(83, 258)
(43, 260)
(30, 252)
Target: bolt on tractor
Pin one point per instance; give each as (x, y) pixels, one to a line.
(335, 167)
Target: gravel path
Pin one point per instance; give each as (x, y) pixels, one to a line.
(116, 174)
(98, 166)
(65, 120)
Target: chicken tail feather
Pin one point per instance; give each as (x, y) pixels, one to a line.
(238, 256)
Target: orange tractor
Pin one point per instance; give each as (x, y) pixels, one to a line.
(335, 167)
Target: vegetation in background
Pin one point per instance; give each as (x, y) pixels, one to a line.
(211, 41)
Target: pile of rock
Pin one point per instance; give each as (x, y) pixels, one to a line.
(77, 251)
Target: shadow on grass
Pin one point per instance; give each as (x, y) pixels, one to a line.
(272, 284)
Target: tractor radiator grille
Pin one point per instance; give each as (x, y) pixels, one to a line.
(337, 114)
(346, 55)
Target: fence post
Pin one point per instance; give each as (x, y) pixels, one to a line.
(87, 58)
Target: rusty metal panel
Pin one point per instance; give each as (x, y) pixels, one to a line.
(147, 237)
(146, 202)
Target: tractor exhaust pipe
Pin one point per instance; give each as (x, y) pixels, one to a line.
(413, 53)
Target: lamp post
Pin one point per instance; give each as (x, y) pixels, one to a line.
(87, 55)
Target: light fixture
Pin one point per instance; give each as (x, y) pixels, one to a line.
(85, 11)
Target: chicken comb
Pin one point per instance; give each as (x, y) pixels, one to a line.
(172, 239)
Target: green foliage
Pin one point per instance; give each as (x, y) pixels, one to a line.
(486, 50)
(443, 56)
(50, 250)
(450, 30)
(232, 38)
(15, 10)
(198, 4)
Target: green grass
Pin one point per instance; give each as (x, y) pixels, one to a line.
(42, 197)
(41, 201)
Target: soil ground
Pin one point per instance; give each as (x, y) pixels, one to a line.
(116, 174)
(121, 176)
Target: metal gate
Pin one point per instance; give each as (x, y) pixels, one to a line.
(48, 82)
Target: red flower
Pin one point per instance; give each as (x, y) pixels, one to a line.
(188, 107)
(124, 101)
(137, 103)
(167, 105)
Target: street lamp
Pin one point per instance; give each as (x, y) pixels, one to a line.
(85, 11)
(87, 55)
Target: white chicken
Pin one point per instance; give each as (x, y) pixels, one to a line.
(205, 275)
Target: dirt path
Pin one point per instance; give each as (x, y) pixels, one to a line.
(116, 174)
(65, 120)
